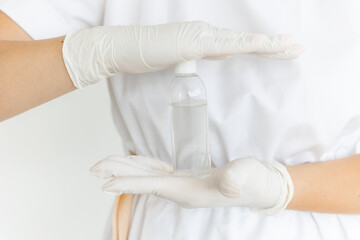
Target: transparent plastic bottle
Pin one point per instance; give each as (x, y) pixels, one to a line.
(189, 122)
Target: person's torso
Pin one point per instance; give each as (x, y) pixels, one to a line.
(273, 110)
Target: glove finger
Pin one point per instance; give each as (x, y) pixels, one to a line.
(186, 191)
(278, 43)
(134, 185)
(223, 47)
(226, 33)
(115, 166)
(170, 187)
(291, 53)
(270, 44)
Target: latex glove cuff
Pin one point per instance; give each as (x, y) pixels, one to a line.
(287, 189)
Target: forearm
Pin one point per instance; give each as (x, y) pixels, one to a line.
(331, 186)
(31, 73)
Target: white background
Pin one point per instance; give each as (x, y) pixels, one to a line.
(46, 190)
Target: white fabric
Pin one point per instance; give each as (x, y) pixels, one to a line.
(52, 18)
(265, 187)
(290, 112)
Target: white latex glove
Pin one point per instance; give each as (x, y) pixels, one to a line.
(265, 187)
(98, 53)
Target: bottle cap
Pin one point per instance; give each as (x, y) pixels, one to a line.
(186, 67)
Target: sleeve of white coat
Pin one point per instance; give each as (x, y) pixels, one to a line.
(43, 19)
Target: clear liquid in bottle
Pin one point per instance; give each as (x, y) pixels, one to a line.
(189, 125)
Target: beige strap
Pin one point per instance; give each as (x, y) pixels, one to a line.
(121, 215)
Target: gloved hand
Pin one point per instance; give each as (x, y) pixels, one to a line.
(265, 187)
(98, 53)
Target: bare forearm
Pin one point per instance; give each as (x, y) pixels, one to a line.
(331, 186)
(31, 73)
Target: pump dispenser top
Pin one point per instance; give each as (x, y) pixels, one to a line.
(186, 67)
